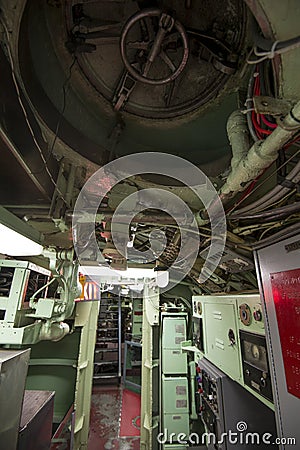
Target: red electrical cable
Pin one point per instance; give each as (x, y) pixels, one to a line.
(259, 132)
(257, 119)
(258, 128)
(247, 191)
(267, 122)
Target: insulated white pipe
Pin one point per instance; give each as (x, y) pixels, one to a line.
(261, 154)
(238, 135)
(273, 196)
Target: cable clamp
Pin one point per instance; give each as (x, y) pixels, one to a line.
(264, 104)
(294, 117)
(281, 122)
(284, 182)
(273, 50)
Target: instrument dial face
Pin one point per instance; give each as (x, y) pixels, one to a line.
(255, 351)
(245, 314)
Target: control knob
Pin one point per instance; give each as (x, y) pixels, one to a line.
(263, 382)
(257, 315)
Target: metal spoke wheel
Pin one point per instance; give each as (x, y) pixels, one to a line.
(155, 42)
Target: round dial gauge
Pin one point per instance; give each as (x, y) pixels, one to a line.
(255, 351)
(245, 314)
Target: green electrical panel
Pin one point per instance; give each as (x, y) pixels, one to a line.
(222, 337)
(174, 362)
(137, 331)
(250, 314)
(223, 317)
(137, 319)
(173, 334)
(19, 281)
(174, 389)
(175, 425)
(175, 394)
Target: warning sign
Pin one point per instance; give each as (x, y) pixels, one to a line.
(286, 294)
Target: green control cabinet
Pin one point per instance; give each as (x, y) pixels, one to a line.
(175, 394)
(174, 381)
(19, 280)
(222, 337)
(173, 334)
(176, 406)
(176, 425)
(137, 319)
(250, 314)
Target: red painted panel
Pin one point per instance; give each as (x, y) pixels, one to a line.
(130, 414)
(286, 294)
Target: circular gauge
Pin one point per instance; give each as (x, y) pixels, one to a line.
(245, 314)
(255, 351)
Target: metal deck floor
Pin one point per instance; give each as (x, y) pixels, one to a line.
(105, 421)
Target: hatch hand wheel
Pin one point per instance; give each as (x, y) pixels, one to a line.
(169, 34)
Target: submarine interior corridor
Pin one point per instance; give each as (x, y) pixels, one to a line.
(149, 224)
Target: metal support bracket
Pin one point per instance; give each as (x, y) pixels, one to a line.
(272, 106)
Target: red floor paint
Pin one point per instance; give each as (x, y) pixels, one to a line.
(130, 414)
(105, 421)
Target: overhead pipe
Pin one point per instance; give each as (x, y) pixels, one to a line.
(238, 135)
(247, 164)
(274, 214)
(274, 195)
(260, 155)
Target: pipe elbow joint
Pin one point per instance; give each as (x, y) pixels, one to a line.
(236, 123)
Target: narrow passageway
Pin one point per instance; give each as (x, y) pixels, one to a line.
(108, 431)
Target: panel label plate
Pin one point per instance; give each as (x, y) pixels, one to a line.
(286, 294)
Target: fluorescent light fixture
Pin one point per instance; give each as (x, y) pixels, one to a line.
(17, 238)
(124, 291)
(14, 244)
(131, 273)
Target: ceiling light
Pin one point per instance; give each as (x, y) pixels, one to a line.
(131, 273)
(14, 244)
(17, 238)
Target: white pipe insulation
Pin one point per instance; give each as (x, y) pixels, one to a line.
(247, 165)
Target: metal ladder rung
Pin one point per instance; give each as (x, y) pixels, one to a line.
(105, 363)
(107, 376)
(102, 350)
(108, 332)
